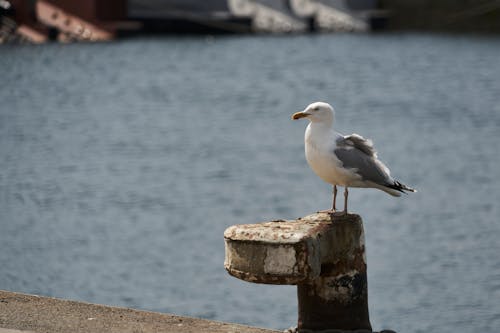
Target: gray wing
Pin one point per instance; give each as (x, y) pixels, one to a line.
(356, 152)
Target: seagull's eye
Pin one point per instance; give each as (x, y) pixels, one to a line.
(316, 108)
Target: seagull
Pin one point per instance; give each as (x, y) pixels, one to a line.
(343, 160)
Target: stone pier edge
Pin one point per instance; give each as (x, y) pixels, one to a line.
(30, 313)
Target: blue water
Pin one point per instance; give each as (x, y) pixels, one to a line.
(121, 164)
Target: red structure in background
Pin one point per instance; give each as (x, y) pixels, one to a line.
(93, 11)
(67, 20)
(25, 24)
(91, 20)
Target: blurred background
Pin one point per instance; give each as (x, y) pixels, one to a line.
(122, 162)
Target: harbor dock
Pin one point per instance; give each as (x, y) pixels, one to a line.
(64, 20)
(92, 20)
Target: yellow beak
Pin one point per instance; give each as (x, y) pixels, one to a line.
(300, 114)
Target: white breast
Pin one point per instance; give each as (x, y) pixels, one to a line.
(319, 149)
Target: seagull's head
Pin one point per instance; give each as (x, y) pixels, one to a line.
(316, 112)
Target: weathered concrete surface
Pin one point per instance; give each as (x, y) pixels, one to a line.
(294, 251)
(323, 254)
(21, 312)
(277, 252)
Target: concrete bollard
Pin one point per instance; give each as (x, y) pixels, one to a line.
(323, 254)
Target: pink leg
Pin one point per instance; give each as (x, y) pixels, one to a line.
(334, 209)
(334, 197)
(346, 194)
